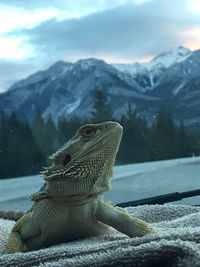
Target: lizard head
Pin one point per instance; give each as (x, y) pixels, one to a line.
(85, 162)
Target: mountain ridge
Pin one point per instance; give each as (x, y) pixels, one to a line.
(67, 89)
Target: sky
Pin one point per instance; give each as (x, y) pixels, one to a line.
(36, 33)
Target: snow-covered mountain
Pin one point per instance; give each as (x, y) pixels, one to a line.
(147, 74)
(179, 87)
(67, 89)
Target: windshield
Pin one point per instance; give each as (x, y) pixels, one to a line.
(67, 63)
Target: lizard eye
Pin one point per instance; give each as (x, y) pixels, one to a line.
(88, 132)
(66, 159)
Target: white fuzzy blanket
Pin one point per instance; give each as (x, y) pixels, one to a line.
(177, 243)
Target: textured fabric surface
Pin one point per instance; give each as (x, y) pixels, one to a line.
(177, 243)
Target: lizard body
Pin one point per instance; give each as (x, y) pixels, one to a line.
(70, 204)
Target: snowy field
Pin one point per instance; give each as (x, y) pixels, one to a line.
(130, 182)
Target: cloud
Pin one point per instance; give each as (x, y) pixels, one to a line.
(15, 17)
(14, 70)
(69, 8)
(78, 4)
(126, 31)
(30, 4)
(123, 32)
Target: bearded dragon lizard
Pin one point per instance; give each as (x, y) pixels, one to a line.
(70, 206)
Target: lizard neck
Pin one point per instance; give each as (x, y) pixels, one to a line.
(76, 189)
(76, 200)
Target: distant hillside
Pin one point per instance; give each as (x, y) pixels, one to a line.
(66, 89)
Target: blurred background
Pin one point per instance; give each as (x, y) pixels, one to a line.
(66, 63)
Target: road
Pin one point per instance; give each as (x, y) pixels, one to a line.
(130, 182)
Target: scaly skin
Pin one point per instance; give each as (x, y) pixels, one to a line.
(70, 207)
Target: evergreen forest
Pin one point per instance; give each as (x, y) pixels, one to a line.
(25, 148)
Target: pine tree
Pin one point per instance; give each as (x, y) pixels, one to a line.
(164, 136)
(23, 156)
(101, 109)
(74, 125)
(184, 141)
(62, 131)
(67, 128)
(134, 146)
(45, 134)
(38, 128)
(32, 155)
(3, 145)
(51, 140)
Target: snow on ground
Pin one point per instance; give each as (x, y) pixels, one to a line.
(143, 180)
(130, 182)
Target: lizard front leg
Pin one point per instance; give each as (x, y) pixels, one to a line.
(23, 234)
(15, 242)
(122, 221)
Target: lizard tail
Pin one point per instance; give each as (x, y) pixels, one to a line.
(11, 214)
